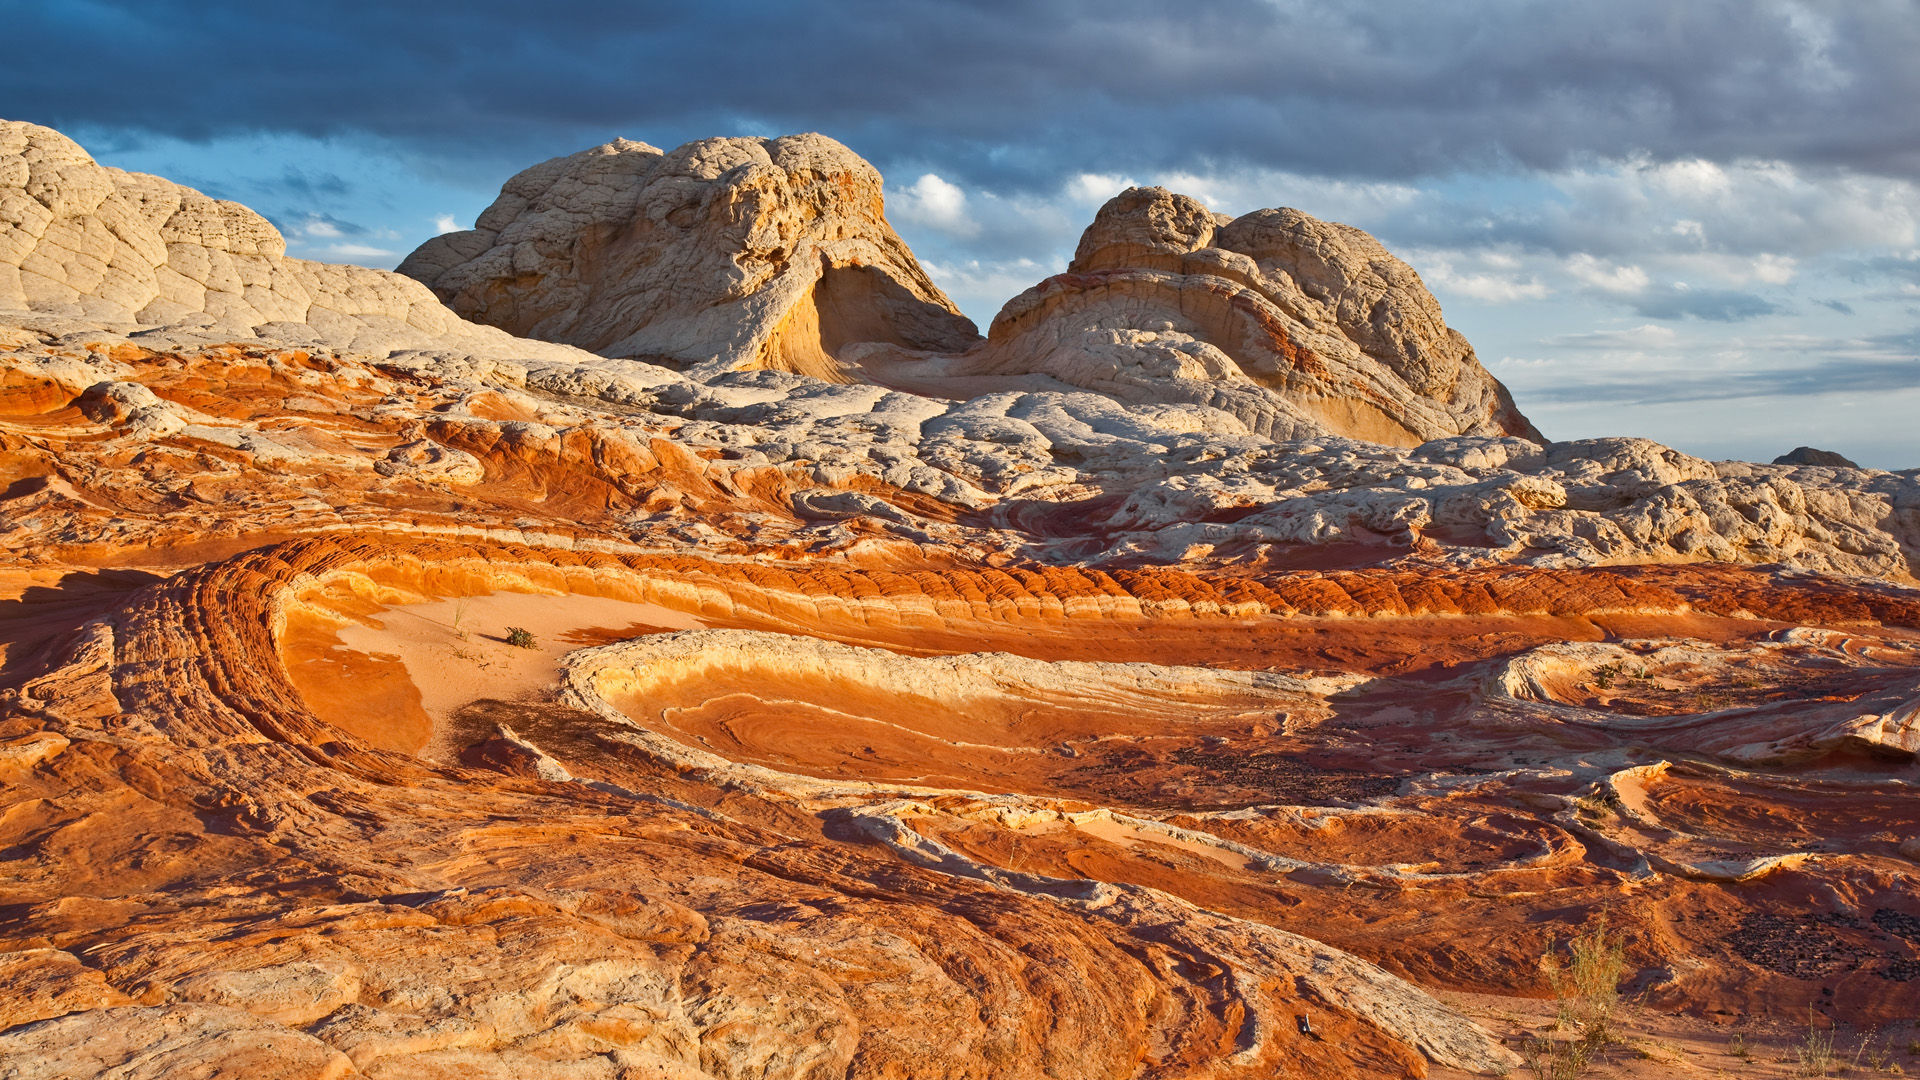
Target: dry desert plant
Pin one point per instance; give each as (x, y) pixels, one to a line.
(1586, 984)
(1814, 1055)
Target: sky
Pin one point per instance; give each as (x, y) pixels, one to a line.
(1693, 221)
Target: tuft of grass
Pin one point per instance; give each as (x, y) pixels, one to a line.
(521, 638)
(1875, 1058)
(1814, 1055)
(1737, 1045)
(1587, 986)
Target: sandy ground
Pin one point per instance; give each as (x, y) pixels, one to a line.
(1127, 836)
(1655, 1044)
(396, 677)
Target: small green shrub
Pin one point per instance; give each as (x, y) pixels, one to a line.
(521, 638)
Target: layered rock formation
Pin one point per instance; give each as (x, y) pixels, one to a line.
(724, 255)
(852, 731)
(131, 438)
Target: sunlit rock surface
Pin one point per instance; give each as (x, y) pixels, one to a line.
(1295, 326)
(859, 731)
(113, 248)
(725, 254)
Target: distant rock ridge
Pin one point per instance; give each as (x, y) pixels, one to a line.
(723, 255)
(1807, 455)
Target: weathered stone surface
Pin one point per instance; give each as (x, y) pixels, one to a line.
(725, 254)
(159, 1042)
(1295, 326)
(631, 452)
(114, 248)
(736, 254)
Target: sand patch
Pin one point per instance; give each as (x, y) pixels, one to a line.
(394, 676)
(1127, 836)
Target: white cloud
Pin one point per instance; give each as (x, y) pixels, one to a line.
(1493, 287)
(1616, 279)
(1689, 179)
(1746, 207)
(1092, 189)
(319, 228)
(1644, 336)
(981, 287)
(358, 251)
(936, 203)
(1242, 191)
(445, 224)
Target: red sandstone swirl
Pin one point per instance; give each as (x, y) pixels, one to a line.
(680, 926)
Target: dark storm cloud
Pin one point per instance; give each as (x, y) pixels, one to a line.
(1005, 92)
(309, 184)
(311, 223)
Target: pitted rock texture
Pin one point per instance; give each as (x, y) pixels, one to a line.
(725, 254)
(1297, 327)
(116, 439)
(106, 247)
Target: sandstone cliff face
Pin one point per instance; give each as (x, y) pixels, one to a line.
(1298, 327)
(726, 254)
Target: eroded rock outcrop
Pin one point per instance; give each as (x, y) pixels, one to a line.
(725, 254)
(105, 247)
(736, 254)
(110, 438)
(1296, 326)
(1807, 455)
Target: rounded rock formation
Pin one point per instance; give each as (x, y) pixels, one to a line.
(1298, 327)
(726, 254)
(81, 241)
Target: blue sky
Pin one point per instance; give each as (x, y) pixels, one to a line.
(1698, 222)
